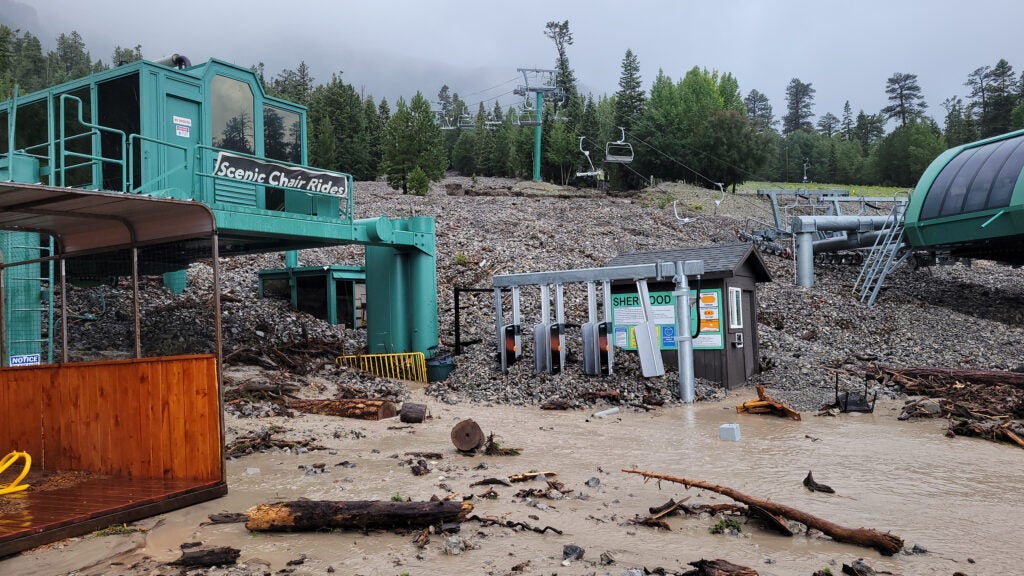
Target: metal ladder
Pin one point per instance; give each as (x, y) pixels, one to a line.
(886, 255)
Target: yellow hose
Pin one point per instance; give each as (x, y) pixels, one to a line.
(6, 462)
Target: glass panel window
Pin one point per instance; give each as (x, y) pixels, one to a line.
(282, 134)
(979, 178)
(231, 108)
(977, 197)
(735, 308)
(1006, 180)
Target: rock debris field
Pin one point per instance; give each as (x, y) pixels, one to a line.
(951, 316)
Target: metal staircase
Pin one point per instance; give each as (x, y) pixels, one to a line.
(886, 255)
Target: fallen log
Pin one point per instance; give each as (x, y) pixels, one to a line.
(765, 404)
(555, 405)
(311, 515)
(361, 408)
(718, 567)
(885, 542)
(467, 435)
(987, 377)
(413, 413)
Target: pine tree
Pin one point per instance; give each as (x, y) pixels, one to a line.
(411, 141)
(907, 103)
(828, 125)
(1001, 97)
(126, 55)
(799, 100)
(630, 99)
(759, 111)
(559, 33)
(958, 127)
(374, 135)
(846, 126)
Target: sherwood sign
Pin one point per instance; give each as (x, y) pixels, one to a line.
(248, 169)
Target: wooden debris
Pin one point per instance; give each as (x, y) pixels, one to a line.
(773, 521)
(491, 521)
(488, 481)
(467, 436)
(311, 515)
(718, 567)
(650, 521)
(361, 408)
(530, 476)
(491, 448)
(606, 394)
(885, 542)
(555, 405)
(420, 468)
(813, 486)
(984, 403)
(765, 404)
(413, 413)
(652, 400)
(225, 518)
(427, 455)
(208, 557)
(244, 445)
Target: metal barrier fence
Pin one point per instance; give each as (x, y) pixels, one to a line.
(404, 366)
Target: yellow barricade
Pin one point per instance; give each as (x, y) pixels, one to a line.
(404, 366)
(6, 462)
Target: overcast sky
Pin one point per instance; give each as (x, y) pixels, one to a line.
(391, 48)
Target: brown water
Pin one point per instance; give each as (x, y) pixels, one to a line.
(959, 498)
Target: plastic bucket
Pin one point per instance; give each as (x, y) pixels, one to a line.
(439, 368)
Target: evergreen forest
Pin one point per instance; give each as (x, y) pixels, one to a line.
(700, 128)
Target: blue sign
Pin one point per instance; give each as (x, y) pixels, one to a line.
(24, 360)
(668, 336)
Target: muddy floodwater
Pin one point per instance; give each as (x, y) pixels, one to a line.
(958, 498)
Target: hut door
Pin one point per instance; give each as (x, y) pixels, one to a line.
(183, 130)
(750, 361)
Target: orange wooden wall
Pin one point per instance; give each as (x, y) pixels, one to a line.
(145, 418)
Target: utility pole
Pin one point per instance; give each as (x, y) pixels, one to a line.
(543, 86)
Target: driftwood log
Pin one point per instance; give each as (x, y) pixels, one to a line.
(765, 404)
(310, 515)
(467, 435)
(885, 542)
(361, 408)
(413, 413)
(718, 568)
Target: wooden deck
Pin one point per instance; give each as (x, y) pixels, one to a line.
(143, 437)
(51, 515)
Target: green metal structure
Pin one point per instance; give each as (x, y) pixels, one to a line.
(209, 133)
(970, 201)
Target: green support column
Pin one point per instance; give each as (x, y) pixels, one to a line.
(536, 138)
(386, 318)
(422, 293)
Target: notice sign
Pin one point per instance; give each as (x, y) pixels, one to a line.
(24, 360)
(261, 172)
(627, 313)
(182, 131)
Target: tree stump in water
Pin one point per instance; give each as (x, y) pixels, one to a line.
(361, 408)
(467, 435)
(413, 413)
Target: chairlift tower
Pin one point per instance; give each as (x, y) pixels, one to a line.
(542, 84)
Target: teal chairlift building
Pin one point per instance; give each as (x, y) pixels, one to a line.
(208, 133)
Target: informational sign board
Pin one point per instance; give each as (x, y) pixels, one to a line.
(24, 360)
(627, 313)
(261, 172)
